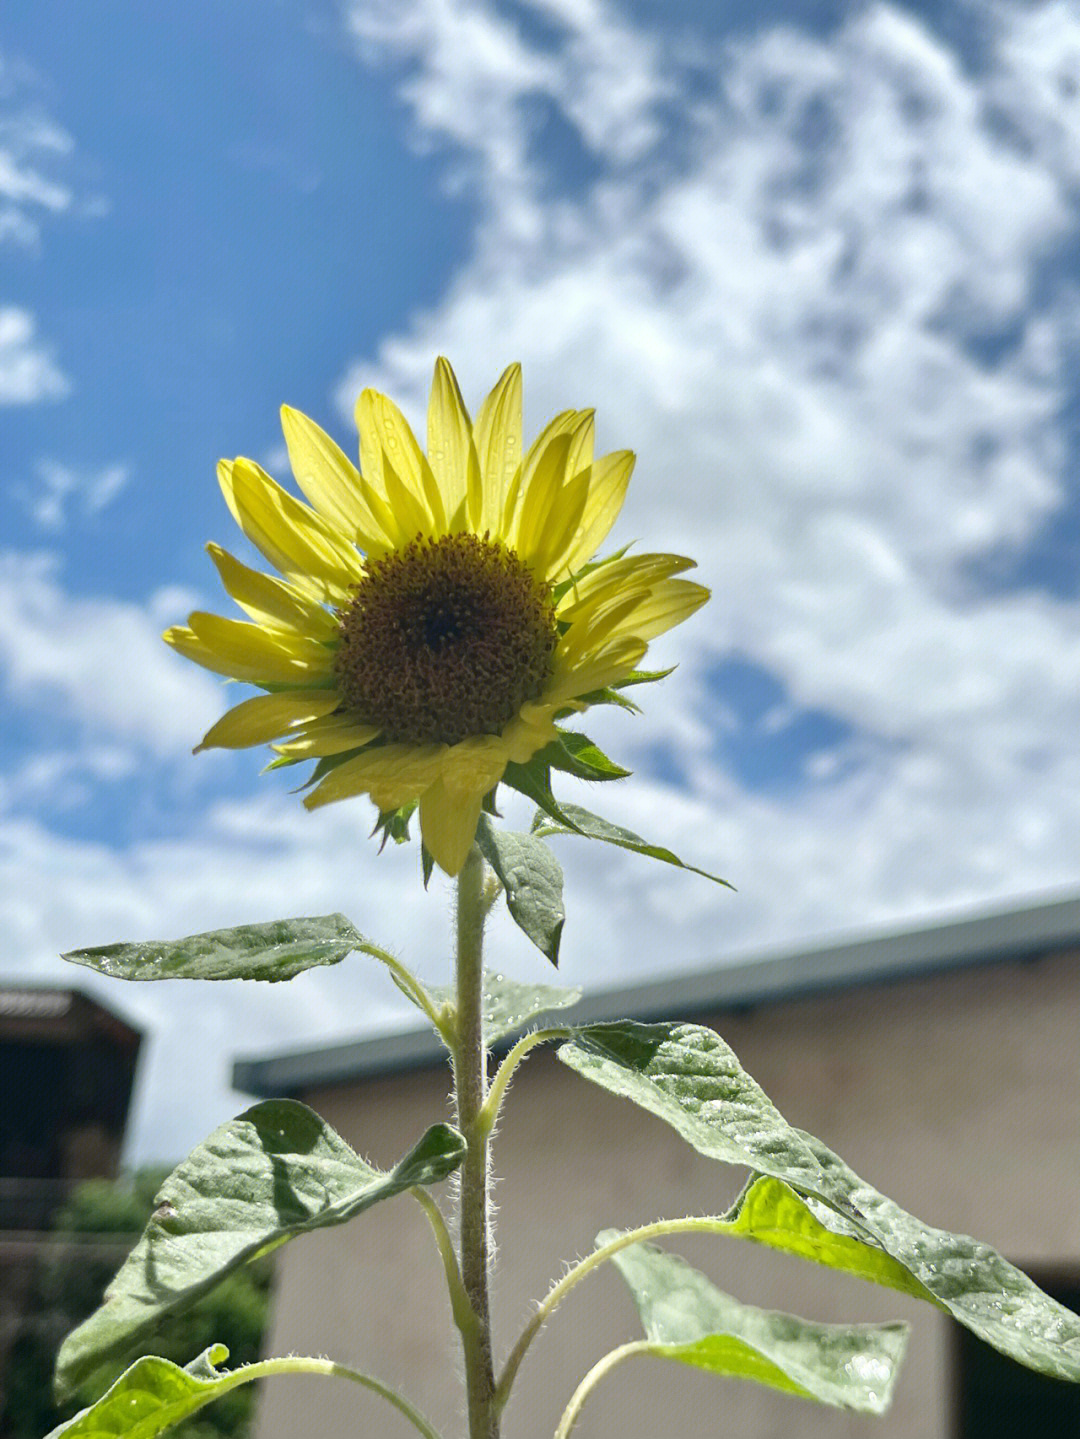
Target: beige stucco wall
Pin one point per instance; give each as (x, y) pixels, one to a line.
(957, 1095)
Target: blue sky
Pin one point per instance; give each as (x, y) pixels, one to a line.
(818, 268)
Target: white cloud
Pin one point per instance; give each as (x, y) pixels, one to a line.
(98, 662)
(829, 322)
(61, 488)
(30, 146)
(28, 370)
(826, 321)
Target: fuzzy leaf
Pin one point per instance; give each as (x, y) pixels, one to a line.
(507, 1006)
(686, 1318)
(532, 878)
(257, 1181)
(687, 1076)
(572, 819)
(273, 951)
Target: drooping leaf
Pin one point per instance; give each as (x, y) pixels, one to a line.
(273, 951)
(154, 1395)
(572, 819)
(257, 1181)
(687, 1076)
(532, 878)
(686, 1318)
(507, 1006)
(575, 754)
(769, 1212)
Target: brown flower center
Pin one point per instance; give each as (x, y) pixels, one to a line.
(443, 639)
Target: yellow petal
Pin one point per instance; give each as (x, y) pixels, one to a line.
(608, 480)
(497, 436)
(560, 526)
(333, 735)
(386, 437)
(450, 444)
(448, 825)
(392, 775)
(529, 731)
(291, 536)
(595, 670)
(581, 444)
(544, 488)
(271, 601)
(251, 652)
(668, 605)
(614, 579)
(259, 720)
(330, 481)
(563, 423)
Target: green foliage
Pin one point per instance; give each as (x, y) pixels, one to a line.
(687, 1076)
(274, 951)
(95, 1228)
(851, 1366)
(275, 1172)
(572, 819)
(575, 754)
(506, 1005)
(533, 881)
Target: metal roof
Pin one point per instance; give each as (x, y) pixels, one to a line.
(769, 976)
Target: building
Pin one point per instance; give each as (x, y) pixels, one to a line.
(67, 1066)
(942, 1063)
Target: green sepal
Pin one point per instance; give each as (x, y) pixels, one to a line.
(572, 819)
(533, 780)
(427, 864)
(276, 1171)
(687, 1319)
(575, 754)
(688, 1076)
(272, 951)
(532, 879)
(611, 695)
(394, 824)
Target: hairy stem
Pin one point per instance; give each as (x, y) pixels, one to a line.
(293, 1364)
(592, 1379)
(470, 1091)
(693, 1224)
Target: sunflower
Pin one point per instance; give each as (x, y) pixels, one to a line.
(436, 614)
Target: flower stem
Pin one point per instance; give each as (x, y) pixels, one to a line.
(470, 1091)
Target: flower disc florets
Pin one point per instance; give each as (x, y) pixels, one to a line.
(443, 639)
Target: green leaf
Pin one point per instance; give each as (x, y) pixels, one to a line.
(572, 819)
(532, 878)
(507, 1006)
(770, 1212)
(274, 951)
(686, 1318)
(533, 780)
(153, 1395)
(687, 1076)
(575, 754)
(275, 1172)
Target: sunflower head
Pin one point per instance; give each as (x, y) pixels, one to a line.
(433, 613)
